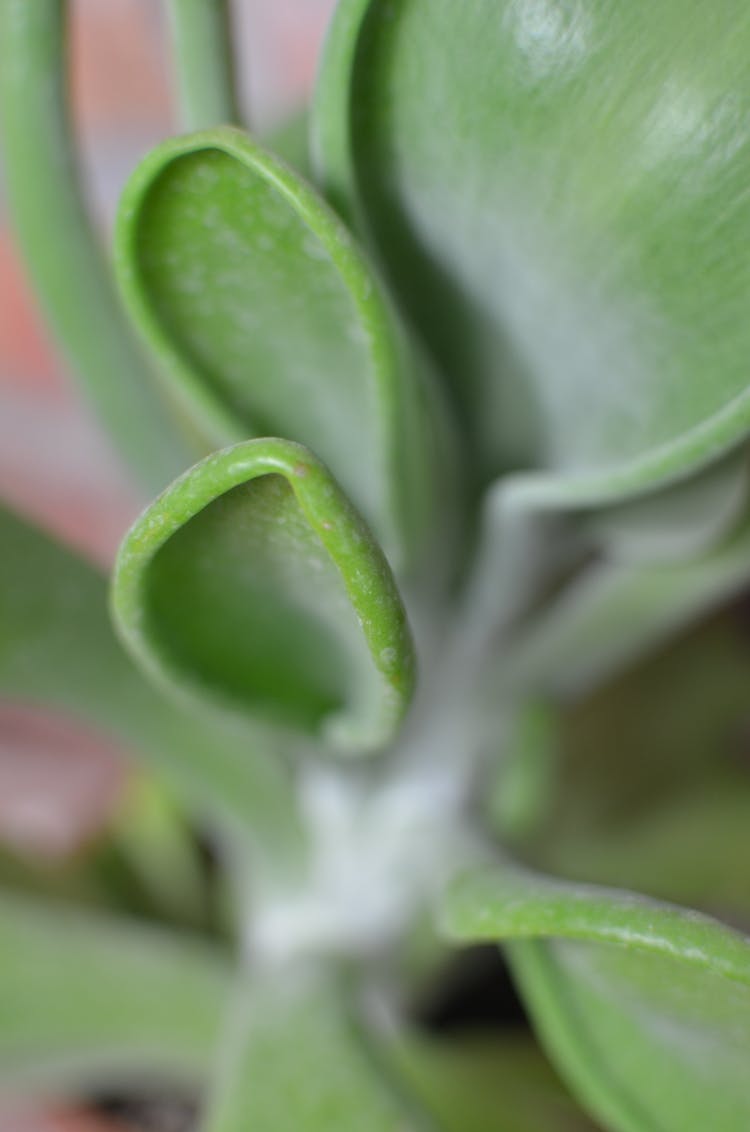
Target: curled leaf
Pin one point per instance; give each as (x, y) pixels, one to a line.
(644, 1006)
(558, 194)
(253, 583)
(268, 320)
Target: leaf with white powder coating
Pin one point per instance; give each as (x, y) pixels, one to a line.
(558, 194)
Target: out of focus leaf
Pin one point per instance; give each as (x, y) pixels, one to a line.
(683, 521)
(488, 1084)
(91, 1000)
(651, 784)
(295, 1057)
(60, 246)
(58, 649)
(612, 613)
(203, 62)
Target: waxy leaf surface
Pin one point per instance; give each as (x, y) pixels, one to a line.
(558, 193)
(644, 1006)
(269, 321)
(253, 583)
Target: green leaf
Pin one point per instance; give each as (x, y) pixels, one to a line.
(203, 62)
(679, 522)
(651, 790)
(268, 321)
(151, 834)
(644, 1006)
(289, 140)
(59, 244)
(57, 648)
(558, 193)
(692, 848)
(480, 1083)
(613, 613)
(296, 1057)
(92, 1000)
(523, 785)
(253, 583)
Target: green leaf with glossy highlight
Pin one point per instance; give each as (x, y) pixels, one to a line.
(253, 583)
(92, 1000)
(644, 1006)
(558, 193)
(268, 320)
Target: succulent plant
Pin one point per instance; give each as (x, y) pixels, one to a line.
(457, 402)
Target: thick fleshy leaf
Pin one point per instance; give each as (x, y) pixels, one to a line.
(92, 1000)
(296, 1057)
(268, 321)
(558, 192)
(253, 583)
(58, 649)
(644, 1006)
